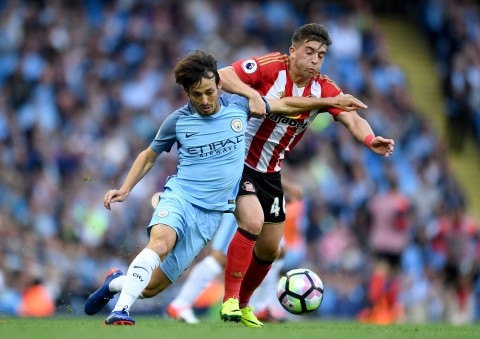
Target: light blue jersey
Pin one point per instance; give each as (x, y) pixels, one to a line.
(211, 151)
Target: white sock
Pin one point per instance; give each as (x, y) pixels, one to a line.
(116, 285)
(137, 278)
(266, 293)
(200, 276)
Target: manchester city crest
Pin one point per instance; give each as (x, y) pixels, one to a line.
(237, 125)
(163, 213)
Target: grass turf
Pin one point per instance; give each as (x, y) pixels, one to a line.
(150, 327)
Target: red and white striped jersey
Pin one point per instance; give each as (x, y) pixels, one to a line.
(269, 140)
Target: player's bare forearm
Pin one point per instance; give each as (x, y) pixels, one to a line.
(233, 84)
(347, 103)
(295, 105)
(358, 126)
(360, 129)
(142, 164)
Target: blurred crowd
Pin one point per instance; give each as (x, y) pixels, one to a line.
(454, 31)
(84, 86)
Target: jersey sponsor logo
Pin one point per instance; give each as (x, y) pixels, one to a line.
(163, 213)
(247, 186)
(237, 125)
(189, 135)
(249, 66)
(290, 121)
(217, 147)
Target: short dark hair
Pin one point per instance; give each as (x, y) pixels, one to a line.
(311, 32)
(190, 70)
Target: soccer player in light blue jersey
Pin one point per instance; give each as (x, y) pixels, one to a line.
(210, 138)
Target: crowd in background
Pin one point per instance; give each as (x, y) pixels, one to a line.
(84, 86)
(454, 32)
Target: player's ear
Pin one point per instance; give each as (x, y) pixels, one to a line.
(219, 86)
(292, 50)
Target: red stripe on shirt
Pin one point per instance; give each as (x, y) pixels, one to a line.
(258, 141)
(282, 145)
(290, 132)
(296, 140)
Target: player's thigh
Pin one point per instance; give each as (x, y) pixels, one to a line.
(201, 226)
(249, 214)
(267, 246)
(167, 223)
(158, 282)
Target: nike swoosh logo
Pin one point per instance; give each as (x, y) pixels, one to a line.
(143, 268)
(252, 322)
(188, 135)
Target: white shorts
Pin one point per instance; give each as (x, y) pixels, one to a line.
(195, 227)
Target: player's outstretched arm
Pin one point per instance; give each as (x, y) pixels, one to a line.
(362, 131)
(295, 105)
(233, 84)
(347, 103)
(144, 162)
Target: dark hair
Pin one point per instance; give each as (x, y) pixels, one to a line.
(311, 32)
(190, 70)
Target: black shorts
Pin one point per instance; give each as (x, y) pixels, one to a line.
(268, 189)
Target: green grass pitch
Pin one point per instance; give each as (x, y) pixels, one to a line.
(157, 328)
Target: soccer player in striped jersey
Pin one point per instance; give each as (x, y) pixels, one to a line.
(260, 202)
(210, 134)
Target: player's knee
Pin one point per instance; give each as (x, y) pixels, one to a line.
(159, 247)
(251, 225)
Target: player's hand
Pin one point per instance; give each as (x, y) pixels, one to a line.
(382, 146)
(113, 196)
(257, 107)
(348, 103)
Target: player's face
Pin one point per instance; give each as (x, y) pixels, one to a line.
(204, 96)
(307, 58)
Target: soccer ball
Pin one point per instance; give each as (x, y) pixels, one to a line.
(300, 291)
